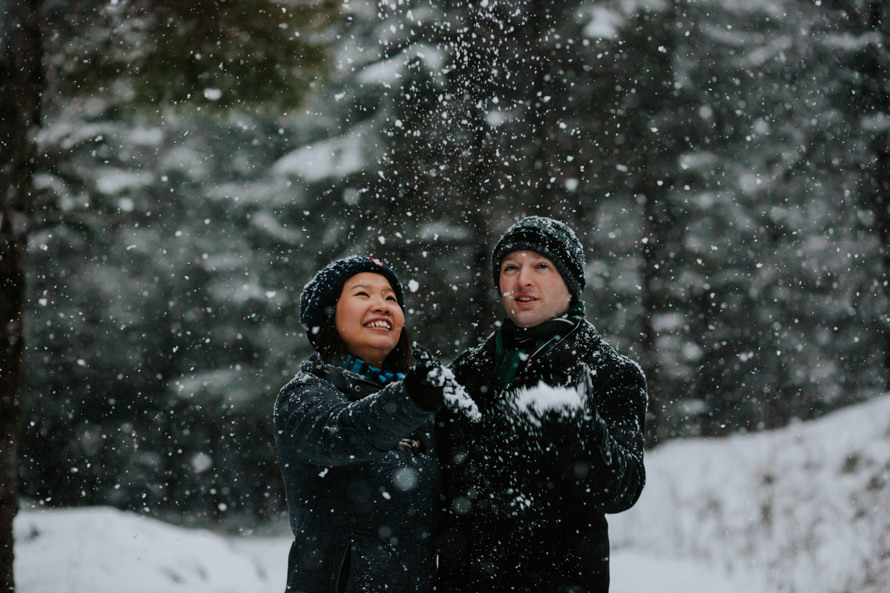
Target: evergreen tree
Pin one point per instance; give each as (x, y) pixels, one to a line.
(862, 94)
(478, 113)
(21, 84)
(741, 173)
(144, 293)
(709, 156)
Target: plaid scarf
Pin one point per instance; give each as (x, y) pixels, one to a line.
(360, 367)
(515, 346)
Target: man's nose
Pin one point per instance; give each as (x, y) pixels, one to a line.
(525, 277)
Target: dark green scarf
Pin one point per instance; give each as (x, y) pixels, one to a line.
(515, 346)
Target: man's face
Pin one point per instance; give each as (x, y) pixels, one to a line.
(532, 290)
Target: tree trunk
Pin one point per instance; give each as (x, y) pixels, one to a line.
(874, 184)
(882, 171)
(650, 307)
(883, 221)
(652, 185)
(479, 217)
(21, 83)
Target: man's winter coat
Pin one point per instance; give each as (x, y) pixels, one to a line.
(526, 490)
(362, 483)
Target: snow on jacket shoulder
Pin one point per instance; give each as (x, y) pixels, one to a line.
(362, 485)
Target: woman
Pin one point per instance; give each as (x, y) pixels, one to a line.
(353, 438)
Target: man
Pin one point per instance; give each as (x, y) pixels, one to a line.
(560, 440)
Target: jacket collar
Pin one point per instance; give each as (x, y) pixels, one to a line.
(353, 385)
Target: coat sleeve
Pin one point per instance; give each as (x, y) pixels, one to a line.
(618, 427)
(315, 423)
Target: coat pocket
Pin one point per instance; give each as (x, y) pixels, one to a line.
(368, 565)
(340, 569)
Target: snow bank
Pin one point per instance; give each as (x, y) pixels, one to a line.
(99, 550)
(804, 508)
(102, 550)
(635, 572)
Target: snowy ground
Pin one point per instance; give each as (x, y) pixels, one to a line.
(803, 509)
(102, 550)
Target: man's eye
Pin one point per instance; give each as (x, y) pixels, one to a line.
(391, 298)
(361, 293)
(543, 266)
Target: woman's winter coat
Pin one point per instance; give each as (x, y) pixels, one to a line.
(361, 481)
(526, 489)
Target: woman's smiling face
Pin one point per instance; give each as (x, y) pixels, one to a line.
(369, 318)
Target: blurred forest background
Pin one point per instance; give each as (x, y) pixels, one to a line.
(194, 162)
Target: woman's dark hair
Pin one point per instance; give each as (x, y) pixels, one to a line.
(332, 348)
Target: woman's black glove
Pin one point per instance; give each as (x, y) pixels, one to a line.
(426, 380)
(429, 383)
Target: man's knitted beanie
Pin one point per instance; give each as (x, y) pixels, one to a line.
(318, 301)
(550, 238)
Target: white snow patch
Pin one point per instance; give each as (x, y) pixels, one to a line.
(268, 224)
(212, 94)
(186, 160)
(334, 157)
(456, 397)
(802, 508)
(604, 24)
(879, 122)
(152, 136)
(389, 71)
(115, 181)
(102, 550)
(537, 401)
(636, 572)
